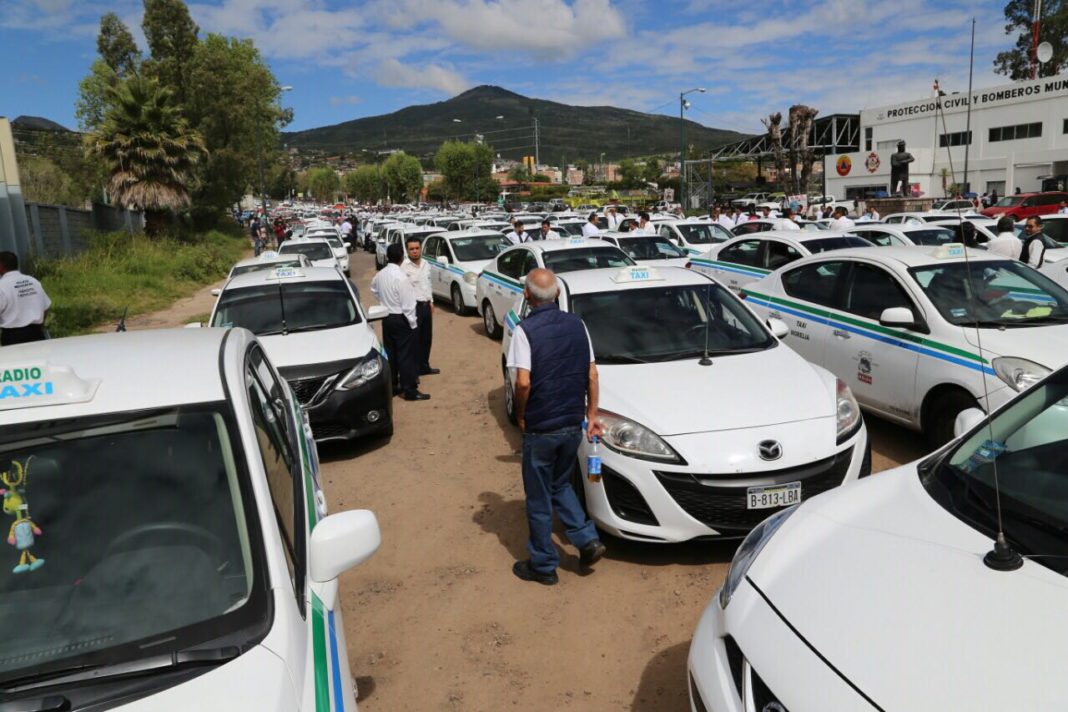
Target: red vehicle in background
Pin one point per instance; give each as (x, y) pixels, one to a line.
(1024, 205)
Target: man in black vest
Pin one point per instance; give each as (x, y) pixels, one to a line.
(1034, 245)
(555, 389)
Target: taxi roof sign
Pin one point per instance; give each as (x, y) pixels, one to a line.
(268, 255)
(948, 251)
(285, 273)
(39, 384)
(637, 273)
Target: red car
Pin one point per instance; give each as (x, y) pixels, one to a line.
(1024, 205)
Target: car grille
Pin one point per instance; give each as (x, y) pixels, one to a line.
(307, 388)
(327, 431)
(723, 508)
(735, 660)
(626, 501)
(762, 696)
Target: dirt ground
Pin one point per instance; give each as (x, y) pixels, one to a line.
(436, 620)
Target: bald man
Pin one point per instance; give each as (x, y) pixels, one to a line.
(555, 389)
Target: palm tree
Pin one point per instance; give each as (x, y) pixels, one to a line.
(148, 148)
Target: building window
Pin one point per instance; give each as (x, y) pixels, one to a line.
(1066, 126)
(1019, 131)
(867, 135)
(959, 138)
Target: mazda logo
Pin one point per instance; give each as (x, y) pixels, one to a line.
(770, 450)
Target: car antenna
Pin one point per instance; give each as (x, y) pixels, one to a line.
(705, 360)
(282, 308)
(122, 320)
(1002, 557)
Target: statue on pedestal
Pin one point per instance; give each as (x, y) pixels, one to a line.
(899, 171)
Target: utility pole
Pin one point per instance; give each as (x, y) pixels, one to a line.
(537, 145)
(683, 106)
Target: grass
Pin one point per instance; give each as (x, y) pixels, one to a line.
(132, 272)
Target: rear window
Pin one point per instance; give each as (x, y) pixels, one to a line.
(586, 258)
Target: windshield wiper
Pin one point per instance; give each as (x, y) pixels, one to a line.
(95, 673)
(1047, 319)
(314, 327)
(694, 353)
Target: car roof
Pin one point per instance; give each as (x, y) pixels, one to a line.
(604, 280)
(471, 232)
(302, 240)
(303, 274)
(908, 256)
(262, 260)
(411, 227)
(134, 370)
(795, 235)
(570, 243)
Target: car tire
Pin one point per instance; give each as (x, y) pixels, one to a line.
(509, 397)
(489, 321)
(942, 414)
(457, 300)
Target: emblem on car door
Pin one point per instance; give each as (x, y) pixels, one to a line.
(770, 450)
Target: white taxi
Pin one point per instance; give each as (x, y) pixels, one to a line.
(171, 546)
(747, 258)
(888, 595)
(398, 234)
(501, 281)
(729, 445)
(694, 236)
(648, 249)
(903, 325)
(456, 259)
(333, 236)
(268, 260)
(320, 338)
(316, 249)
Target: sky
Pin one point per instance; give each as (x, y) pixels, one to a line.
(348, 60)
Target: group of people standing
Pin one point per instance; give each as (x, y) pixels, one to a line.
(264, 235)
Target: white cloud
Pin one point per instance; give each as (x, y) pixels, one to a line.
(393, 73)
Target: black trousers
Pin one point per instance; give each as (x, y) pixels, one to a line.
(22, 335)
(402, 348)
(425, 317)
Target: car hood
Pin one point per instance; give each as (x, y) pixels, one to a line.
(257, 681)
(322, 346)
(735, 392)
(1044, 344)
(891, 590)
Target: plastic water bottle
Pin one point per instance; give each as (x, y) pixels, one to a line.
(593, 461)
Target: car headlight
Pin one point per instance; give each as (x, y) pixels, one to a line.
(633, 439)
(846, 411)
(747, 553)
(1019, 373)
(470, 277)
(365, 369)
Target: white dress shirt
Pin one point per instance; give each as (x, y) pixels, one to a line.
(590, 230)
(551, 235)
(419, 276)
(786, 224)
(515, 237)
(22, 300)
(614, 219)
(1006, 244)
(842, 224)
(726, 221)
(394, 291)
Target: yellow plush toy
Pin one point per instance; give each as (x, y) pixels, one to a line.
(23, 530)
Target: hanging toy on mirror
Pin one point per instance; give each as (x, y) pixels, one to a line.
(23, 529)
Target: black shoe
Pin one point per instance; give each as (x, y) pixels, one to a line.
(591, 553)
(522, 570)
(416, 396)
(430, 372)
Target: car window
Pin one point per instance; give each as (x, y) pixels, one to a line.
(1007, 293)
(287, 308)
(816, 283)
(748, 228)
(581, 258)
(530, 262)
(311, 250)
(744, 252)
(1050, 199)
(431, 247)
(779, 254)
(871, 290)
(882, 239)
(511, 263)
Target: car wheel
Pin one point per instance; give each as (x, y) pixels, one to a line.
(457, 299)
(942, 414)
(509, 397)
(489, 321)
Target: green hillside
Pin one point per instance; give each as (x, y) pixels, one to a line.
(568, 132)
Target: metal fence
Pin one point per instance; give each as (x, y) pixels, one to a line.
(60, 231)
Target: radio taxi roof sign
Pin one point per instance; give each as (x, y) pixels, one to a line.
(38, 384)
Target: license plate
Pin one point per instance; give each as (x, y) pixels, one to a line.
(773, 496)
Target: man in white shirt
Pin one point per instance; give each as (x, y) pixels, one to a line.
(346, 231)
(1006, 243)
(738, 217)
(1033, 251)
(644, 226)
(841, 223)
(400, 329)
(613, 217)
(766, 213)
(547, 232)
(786, 222)
(590, 229)
(518, 234)
(418, 271)
(23, 304)
(722, 219)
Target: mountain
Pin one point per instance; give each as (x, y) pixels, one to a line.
(566, 132)
(36, 123)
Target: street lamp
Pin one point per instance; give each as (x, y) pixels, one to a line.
(259, 152)
(683, 106)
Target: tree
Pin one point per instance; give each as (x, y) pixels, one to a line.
(148, 148)
(364, 183)
(403, 176)
(651, 172)
(116, 45)
(172, 40)
(519, 173)
(465, 170)
(801, 120)
(1016, 62)
(44, 182)
(773, 123)
(323, 184)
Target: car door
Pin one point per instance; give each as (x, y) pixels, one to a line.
(879, 363)
(432, 254)
(808, 292)
(735, 264)
(505, 284)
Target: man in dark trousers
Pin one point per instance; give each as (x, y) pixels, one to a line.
(393, 290)
(418, 271)
(23, 304)
(555, 388)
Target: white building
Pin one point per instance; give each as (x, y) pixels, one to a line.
(1018, 139)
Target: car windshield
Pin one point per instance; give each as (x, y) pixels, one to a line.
(1009, 201)
(131, 538)
(1025, 447)
(650, 247)
(480, 247)
(992, 294)
(263, 266)
(312, 250)
(931, 236)
(703, 234)
(572, 260)
(825, 244)
(278, 308)
(668, 323)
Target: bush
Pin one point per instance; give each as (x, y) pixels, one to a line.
(133, 272)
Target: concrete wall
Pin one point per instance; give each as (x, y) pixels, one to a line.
(59, 231)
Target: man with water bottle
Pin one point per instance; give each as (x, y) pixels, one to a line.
(555, 391)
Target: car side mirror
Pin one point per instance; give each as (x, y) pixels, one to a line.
(898, 316)
(778, 327)
(443, 260)
(523, 279)
(340, 542)
(377, 313)
(216, 291)
(966, 420)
